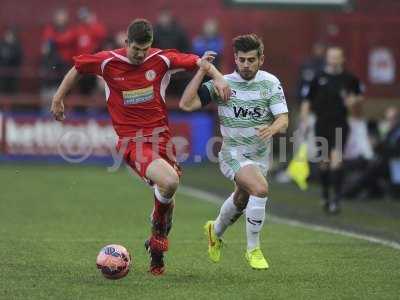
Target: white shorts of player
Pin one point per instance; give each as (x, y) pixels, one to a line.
(229, 167)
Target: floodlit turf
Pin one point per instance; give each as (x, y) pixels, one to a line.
(54, 220)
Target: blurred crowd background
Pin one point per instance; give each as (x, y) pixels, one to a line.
(39, 38)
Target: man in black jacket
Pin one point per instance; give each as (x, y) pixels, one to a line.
(330, 95)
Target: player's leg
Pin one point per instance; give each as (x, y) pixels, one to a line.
(150, 162)
(252, 180)
(230, 211)
(323, 132)
(336, 167)
(165, 180)
(325, 180)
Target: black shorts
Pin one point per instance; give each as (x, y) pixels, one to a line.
(335, 134)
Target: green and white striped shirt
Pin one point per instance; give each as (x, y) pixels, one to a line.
(253, 103)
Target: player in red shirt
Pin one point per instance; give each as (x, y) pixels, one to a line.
(136, 78)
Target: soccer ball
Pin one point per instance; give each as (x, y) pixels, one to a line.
(113, 261)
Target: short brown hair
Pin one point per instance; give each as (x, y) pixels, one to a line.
(140, 31)
(248, 42)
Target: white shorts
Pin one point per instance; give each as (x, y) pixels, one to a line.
(230, 164)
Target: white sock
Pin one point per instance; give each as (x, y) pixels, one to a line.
(255, 216)
(228, 215)
(160, 197)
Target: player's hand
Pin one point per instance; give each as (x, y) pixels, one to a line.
(209, 56)
(265, 132)
(206, 60)
(57, 109)
(222, 88)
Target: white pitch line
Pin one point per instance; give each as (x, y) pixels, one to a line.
(215, 199)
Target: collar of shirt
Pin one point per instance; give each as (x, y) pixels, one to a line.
(239, 78)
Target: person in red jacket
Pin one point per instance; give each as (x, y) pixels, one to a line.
(60, 35)
(90, 34)
(136, 78)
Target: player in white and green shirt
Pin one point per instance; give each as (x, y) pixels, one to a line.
(255, 112)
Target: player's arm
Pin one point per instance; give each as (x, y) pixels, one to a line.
(305, 106)
(279, 109)
(190, 62)
(84, 64)
(195, 94)
(57, 105)
(220, 84)
(280, 124)
(190, 99)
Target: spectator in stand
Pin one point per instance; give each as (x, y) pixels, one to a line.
(61, 36)
(10, 62)
(168, 34)
(57, 50)
(384, 167)
(210, 39)
(90, 36)
(90, 33)
(115, 41)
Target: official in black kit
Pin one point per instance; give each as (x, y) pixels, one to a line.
(330, 95)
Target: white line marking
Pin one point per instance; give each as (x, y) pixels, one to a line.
(215, 199)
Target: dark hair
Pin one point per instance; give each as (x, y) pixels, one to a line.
(140, 31)
(248, 42)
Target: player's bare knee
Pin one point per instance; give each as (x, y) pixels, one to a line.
(259, 190)
(170, 184)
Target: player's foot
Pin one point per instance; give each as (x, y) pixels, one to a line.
(214, 243)
(256, 259)
(156, 246)
(334, 208)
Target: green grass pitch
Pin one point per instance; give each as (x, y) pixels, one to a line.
(54, 220)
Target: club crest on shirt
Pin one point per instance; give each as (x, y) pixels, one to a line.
(266, 93)
(150, 75)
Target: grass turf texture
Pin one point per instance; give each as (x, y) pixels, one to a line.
(380, 218)
(54, 220)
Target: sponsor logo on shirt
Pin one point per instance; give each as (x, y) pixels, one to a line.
(254, 113)
(138, 96)
(150, 75)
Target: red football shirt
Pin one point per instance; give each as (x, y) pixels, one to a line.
(135, 94)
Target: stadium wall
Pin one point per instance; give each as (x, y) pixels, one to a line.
(85, 139)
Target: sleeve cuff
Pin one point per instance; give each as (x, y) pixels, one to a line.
(279, 108)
